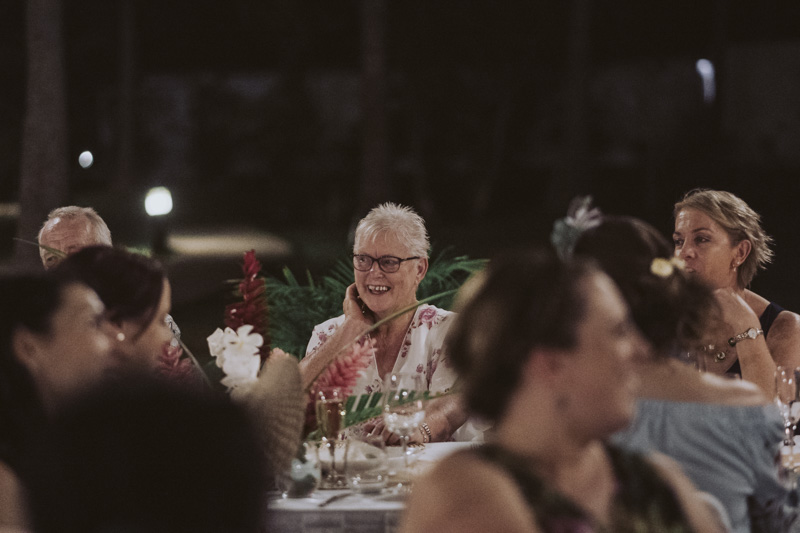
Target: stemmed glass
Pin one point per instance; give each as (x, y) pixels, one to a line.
(330, 418)
(403, 407)
(786, 396)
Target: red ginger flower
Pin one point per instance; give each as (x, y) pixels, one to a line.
(253, 307)
(177, 369)
(343, 372)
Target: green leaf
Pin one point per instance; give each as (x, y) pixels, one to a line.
(362, 407)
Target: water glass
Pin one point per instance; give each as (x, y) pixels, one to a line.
(403, 406)
(787, 395)
(366, 464)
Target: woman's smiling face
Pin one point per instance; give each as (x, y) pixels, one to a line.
(385, 293)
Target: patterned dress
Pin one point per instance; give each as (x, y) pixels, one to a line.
(421, 351)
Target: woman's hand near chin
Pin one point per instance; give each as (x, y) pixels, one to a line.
(355, 310)
(736, 314)
(755, 358)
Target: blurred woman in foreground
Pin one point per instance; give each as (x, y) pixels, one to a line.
(545, 352)
(144, 456)
(725, 433)
(53, 343)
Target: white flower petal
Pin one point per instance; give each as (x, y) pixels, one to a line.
(215, 344)
(244, 331)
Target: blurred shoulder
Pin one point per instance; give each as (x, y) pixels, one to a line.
(735, 392)
(11, 508)
(464, 492)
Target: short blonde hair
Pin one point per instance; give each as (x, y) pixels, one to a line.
(399, 220)
(740, 222)
(97, 226)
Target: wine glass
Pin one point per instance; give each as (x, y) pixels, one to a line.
(403, 407)
(330, 418)
(786, 396)
(366, 463)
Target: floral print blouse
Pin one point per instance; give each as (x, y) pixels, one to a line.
(421, 351)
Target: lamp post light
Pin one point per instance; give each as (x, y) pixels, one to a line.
(158, 204)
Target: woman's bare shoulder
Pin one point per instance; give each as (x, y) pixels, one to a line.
(787, 322)
(674, 381)
(784, 339)
(464, 492)
(733, 391)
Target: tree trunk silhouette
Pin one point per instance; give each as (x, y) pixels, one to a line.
(44, 173)
(375, 172)
(127, 71)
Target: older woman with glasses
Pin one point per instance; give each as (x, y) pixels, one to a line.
(390, 259)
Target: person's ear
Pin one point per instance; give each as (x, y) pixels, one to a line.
(26, 347)
(742, 250)
(422, 269)
(122, 333)
(545, 365)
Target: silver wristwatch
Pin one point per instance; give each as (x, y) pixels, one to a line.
(750, 333)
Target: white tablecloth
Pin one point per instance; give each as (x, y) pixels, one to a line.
(358, 513)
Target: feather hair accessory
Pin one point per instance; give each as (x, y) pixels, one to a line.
(581, 216)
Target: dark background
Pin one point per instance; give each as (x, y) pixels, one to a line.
(490, 115)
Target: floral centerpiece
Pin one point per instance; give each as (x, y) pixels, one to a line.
(267, 381)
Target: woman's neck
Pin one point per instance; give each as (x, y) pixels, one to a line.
(542, 435)
(398, 324)
(388, 341)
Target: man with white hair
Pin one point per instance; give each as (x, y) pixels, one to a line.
(69, 229)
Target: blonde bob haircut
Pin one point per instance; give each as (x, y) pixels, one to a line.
(740, 222)
(399, 220)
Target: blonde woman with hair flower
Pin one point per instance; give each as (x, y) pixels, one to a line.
(545, 350)
(724, 433)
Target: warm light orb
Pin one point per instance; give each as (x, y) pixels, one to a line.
(86, 159)
(158, 201)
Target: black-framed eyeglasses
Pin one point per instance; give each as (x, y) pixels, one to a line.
(387, 263)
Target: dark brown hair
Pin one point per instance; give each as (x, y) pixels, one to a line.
(522, 301)
(129, 284)
(670, 309)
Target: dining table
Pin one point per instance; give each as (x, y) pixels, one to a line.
(344, 510)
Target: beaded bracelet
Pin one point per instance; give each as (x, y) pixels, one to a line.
(426, 432)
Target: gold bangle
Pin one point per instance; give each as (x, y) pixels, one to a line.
(426, 432)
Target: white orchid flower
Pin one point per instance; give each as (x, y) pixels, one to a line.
(215, 345)
(241, 370)
(242, 341)
(237, 353)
